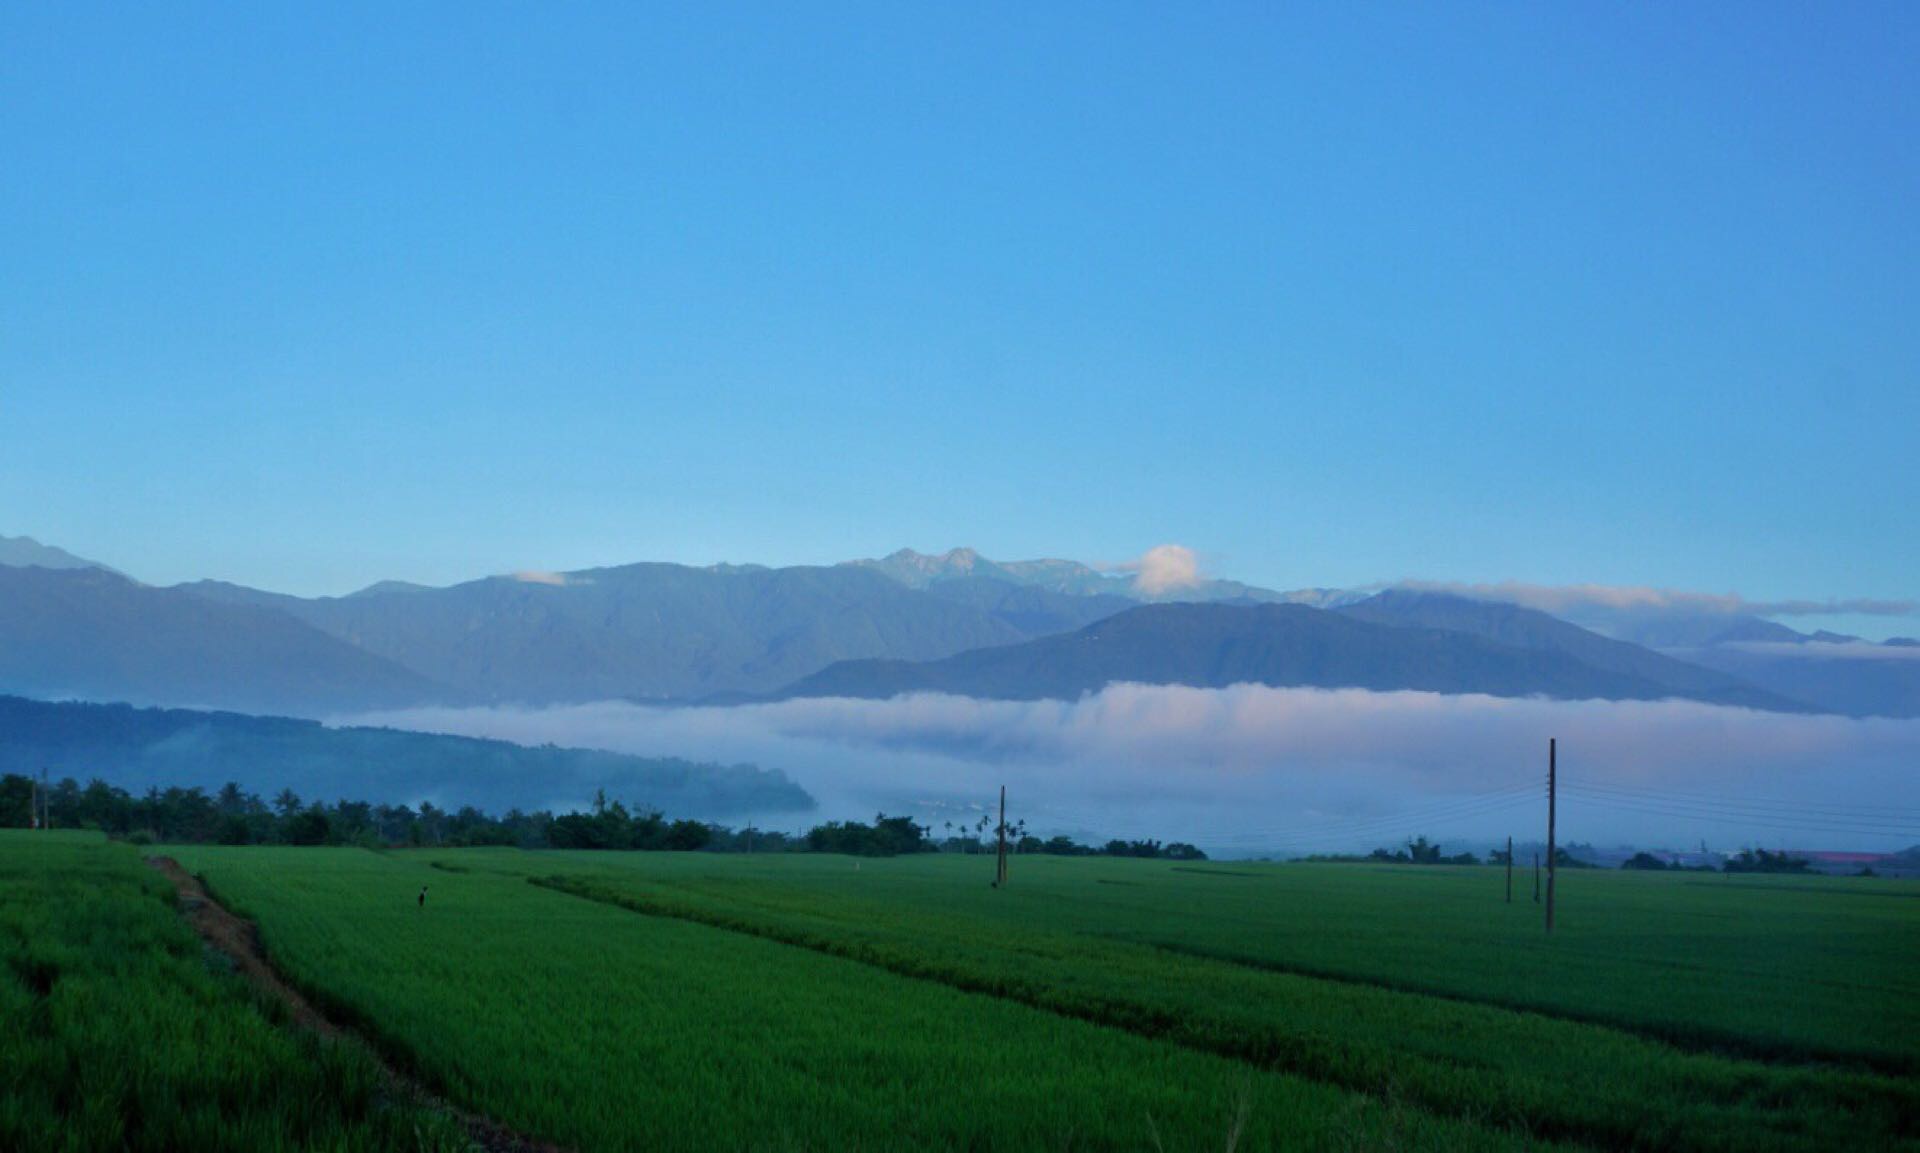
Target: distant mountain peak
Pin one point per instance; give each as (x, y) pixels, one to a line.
(955, 560)
(920, 570)
(390, 587)
(917, 569)
(26, 552)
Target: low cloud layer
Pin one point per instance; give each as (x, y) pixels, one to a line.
(1830, 651)
(1560, 599)
(1253, 768)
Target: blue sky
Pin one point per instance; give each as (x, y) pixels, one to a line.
(1333, 294)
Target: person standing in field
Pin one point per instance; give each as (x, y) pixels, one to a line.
(423, 898)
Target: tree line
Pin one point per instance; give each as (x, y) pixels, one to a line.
(233, 816)
(1421, 851)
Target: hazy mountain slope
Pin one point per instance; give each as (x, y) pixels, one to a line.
(24, 551)
(1213, 646)
(1525, 628)
(1859, 685)
(1036, 612)
(1680, 629)
(225, 592)
(136, 748)
(652, 630)
(90, 633)
(1773, 657)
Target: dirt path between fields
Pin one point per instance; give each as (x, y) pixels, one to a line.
(240, 942)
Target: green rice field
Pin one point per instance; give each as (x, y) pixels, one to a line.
(117, 1033)
(799, 1001)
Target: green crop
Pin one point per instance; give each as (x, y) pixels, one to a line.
(584, 1023)
(1550, 1076)
(671, 1000)
(115, 1032)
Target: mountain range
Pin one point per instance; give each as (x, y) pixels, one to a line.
(1379, 647)
(952, 621)
(667, 632)
(93, 634)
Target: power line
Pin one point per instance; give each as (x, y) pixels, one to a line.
(1755, 803)
(1743, 819)
(1441, 810)
(1737, 810)
(1459, 809)
(1390, 825)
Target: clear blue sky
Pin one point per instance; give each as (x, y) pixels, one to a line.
(1333, 293)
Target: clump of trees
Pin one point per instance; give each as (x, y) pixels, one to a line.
(1761, 861)
(1652, 863)
(1171, 851)
(981, 838)
(1420, 851)
(611, 826)
(885, 837)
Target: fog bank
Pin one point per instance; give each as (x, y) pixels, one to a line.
(1255, 769)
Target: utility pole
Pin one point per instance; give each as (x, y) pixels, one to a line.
(1509, 870)
(1000, 867)
(1552, 775)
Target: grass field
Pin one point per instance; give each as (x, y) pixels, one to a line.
(681, 1001)
(115, 1033)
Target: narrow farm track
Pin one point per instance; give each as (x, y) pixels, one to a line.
(238, 940)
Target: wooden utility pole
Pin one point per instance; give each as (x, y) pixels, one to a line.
(1509, 870)
(1552, 774)
(1000, 867)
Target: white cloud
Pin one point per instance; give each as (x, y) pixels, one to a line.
(1163, 569)
(537, 577)
(1260, 768)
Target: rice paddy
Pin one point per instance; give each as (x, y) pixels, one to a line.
(117, 1033)
(799, 1001)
